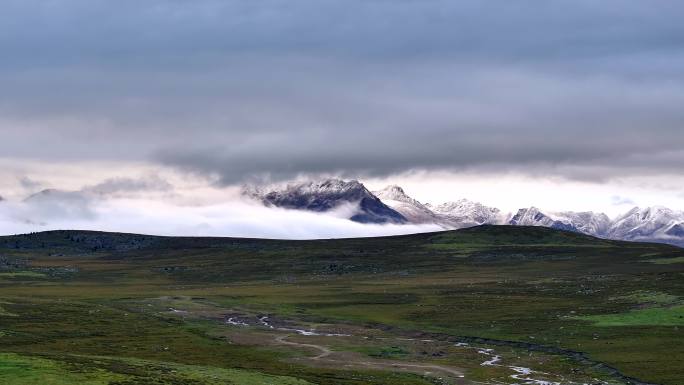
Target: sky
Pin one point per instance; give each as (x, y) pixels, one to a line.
(565, 105)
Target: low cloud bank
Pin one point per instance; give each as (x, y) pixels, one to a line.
(233, 219)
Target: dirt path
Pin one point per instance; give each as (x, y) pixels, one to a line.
(425, 369)
(438, 368)
(324, 352)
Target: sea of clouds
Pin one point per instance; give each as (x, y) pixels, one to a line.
(148, 216)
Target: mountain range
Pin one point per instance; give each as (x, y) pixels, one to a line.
(392, 205)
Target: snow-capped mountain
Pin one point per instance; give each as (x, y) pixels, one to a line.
(449, 215)
(393, 205)
(327, 195)
(587, 222)
(653, 224)
(534, 217)
(414, 211)
(596, 224)
(650, 223)
(464, 213)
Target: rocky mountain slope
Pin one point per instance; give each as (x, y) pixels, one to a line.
(596, 224)
(650, 223)
(414, 211)
(450, 215)
(327, 195)
(465, 213)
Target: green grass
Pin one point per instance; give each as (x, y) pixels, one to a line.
(102, 312)
(650, 297)
(4, 312)
(24, 370)
(666, 261)
(387, 352)
(22, 274)
(662, 316)
(95, 370)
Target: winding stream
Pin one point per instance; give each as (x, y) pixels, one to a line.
(521, 375)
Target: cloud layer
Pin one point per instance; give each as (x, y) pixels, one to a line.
(234, 219)
(585, 90)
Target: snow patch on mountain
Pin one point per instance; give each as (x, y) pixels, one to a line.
(414, 211)
(464, 213)
(449, 215)
(596, 224)
(327, 195)
(650, 223)
(534, 217)
(587, 222)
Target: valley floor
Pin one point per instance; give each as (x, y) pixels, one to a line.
(490, 305)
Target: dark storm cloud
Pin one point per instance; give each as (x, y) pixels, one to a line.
(584, 89)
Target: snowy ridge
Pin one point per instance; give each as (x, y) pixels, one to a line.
(587, 222)
(414, 211)
(597, 224)
(465, 213)
(449, 215)
(393, 205)
(648, 224)
(326, 195)
(651, 224)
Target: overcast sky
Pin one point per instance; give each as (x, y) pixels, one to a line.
(573, 104)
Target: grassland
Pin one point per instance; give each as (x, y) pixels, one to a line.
(461, 307)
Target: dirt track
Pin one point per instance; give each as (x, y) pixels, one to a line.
(423, 369)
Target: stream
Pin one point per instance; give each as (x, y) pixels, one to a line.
(521, 375)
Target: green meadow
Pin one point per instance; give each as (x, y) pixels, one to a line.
(458, 307)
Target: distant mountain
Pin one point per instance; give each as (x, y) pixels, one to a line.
(650, 223)
(653, 224)
(327, 195)
(587, 222)
(393, 205)
(414, 211)
(450, 215)
(534, 217)
(465, 213)
(596, 224)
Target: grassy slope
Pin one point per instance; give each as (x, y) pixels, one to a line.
(536, 285)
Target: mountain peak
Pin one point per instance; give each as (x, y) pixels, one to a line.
(395, 193)
(396, 198)
(393, 189)
(461, 205)
(328, 194)
(648, 223)
(465, 213)
(532, 216)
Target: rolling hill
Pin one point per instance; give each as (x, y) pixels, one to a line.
(487, 304)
